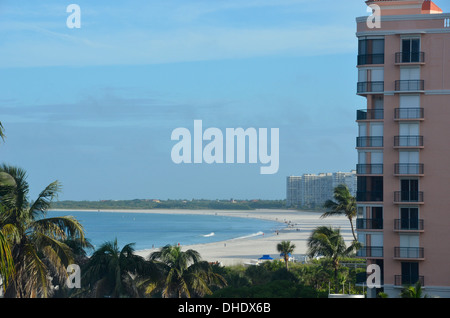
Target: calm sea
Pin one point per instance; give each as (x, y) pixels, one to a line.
(148, 230)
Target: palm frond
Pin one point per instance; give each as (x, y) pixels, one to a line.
(2, 134)
(63, 227)
(6, 260)
(44, 200)
(16, 196)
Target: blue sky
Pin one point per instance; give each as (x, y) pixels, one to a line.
(95, 107)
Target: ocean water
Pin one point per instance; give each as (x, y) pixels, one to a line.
(153, 230)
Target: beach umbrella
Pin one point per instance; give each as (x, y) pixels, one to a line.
(265, 257)
(289, 254)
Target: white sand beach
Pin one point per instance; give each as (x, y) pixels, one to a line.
(298, 227)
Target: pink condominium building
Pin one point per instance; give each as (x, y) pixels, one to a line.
(403, 144)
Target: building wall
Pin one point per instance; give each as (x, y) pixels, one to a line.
(434, 155)
(312, 190)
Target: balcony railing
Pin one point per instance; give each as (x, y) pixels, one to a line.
(369, 168)
(409, 168)
(370, 251)
(401, 280)
(409, 57)
(409, 252)
(408, 225)
(408, 141)
(409, 85)
(369, 224)
(364, 59)
(374, 141)
(369, 196)
(409, 113)
(408, 196)
(365, 114)
(361, 279)
(370, 87)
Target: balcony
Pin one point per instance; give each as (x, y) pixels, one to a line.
(370, 251)
(413, 225)
(409, 85)
(370, 87)
(408, 141)
(408, 197)
(369, 114)
(369, 224)
(409, 252)
(368, 59)
(369, 142)
(410, 58)
(401, 280)
(369, 169)
(369, 196)
(409, 114)
(409, 169)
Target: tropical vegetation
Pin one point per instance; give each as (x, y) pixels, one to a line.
(328, 242)
(111, 271)
(286, 248)
(182, 274)
(188, 204)
(413, 291)
(36, 245)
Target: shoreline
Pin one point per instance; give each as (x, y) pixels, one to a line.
(247, 250)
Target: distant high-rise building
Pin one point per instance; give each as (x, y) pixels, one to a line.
(312, 190)
(403, 152)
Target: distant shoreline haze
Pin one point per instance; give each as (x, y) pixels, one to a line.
(172, 204)
(177, 204)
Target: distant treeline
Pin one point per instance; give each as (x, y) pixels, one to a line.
(172, 204)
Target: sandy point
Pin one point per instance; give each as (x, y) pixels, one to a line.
(297, 227)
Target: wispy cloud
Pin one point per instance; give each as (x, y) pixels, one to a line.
(132, 40)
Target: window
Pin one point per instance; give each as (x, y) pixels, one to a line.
(408, 136)
(409, 246)
(410, 273)
(371, 79)
(376, 129)
(370, 51)
(377, 217)
(411, 50)
(409, 129)
(409, 107)
(369, 188)
(409, 101)
(409, 218)
(409, 157)
(378, 101)
(409, 190)
(362, 129)
(409, 73)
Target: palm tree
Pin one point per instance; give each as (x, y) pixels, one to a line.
(36, 241)
(184, 274)
(2, 134)
(111, 271)
(286, 248)
(6, 259)
(344, 204)
(415, 291)
(328, 242)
